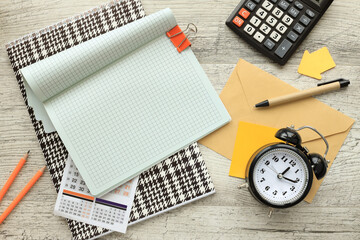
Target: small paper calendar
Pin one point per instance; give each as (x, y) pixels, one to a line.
(110, 211)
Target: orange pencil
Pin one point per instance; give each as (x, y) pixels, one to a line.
(21, 194)
(13, 175)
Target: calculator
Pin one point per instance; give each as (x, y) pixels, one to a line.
(276, 27)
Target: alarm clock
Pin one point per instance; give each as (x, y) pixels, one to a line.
(280, 175)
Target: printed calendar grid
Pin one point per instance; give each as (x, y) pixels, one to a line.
(110, 211)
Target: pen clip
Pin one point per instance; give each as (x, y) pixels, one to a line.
(343, 82)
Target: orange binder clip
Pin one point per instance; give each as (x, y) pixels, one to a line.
(180, 38)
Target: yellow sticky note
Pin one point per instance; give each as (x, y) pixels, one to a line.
(313, 64)
(249, 139)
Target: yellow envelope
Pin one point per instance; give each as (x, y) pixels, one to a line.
(249, 85)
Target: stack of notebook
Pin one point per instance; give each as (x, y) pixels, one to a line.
(179, 179)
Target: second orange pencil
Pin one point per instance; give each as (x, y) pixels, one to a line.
(21, 194)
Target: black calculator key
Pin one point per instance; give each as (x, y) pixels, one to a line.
(257, 1)
(283, 48)
(250, 5)
(283, 4)
(293, 12)
(292, 36)
(310, 13)
(269, 44)
(305, 20)
(299, 5)
(299, 28)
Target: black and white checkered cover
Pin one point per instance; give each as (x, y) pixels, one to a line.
(179, 179)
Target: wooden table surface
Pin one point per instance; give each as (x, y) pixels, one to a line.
(230, 213)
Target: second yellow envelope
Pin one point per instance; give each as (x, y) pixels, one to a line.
(249, 85)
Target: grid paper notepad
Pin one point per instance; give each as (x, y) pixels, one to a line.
(126, 100)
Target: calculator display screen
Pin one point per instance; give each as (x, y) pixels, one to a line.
(317, 2)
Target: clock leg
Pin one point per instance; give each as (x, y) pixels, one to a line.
(245, 185)
(271, 210)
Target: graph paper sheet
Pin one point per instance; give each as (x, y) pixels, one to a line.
(75, 202)
(127, 114)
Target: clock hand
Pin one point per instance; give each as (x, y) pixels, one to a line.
(273, 169)
(290, 180)
(286, 170)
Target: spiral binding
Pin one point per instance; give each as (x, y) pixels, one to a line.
(62, 23)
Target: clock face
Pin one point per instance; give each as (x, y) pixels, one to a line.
(281, 177)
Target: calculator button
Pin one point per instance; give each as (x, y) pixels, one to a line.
(310, 13)
(281, 28)
(249, 29)
(287, 20)
(250, 5)
(283, 4)
(259, 37)
(238, 21)
(257, 1)
(275, 36)
(293, 12)
(261, 13)
(305, 20)
(299, 5)
(267, 5)
(277, 12)
(292, 36)
(271, 20)
(269, 44)
(244, 13)
(265, 28)
(299, 28)
(255, 21)
(283, 48)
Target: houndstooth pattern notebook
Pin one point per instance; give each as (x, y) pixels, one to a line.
(177, 180)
